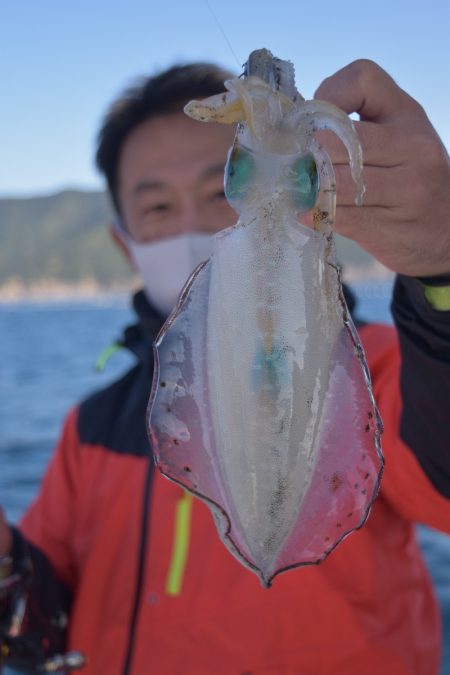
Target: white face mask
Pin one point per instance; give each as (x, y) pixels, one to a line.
(165, 265)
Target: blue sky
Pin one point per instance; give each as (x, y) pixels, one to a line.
(61, 63)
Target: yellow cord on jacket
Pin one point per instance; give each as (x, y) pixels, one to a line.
(180, 545)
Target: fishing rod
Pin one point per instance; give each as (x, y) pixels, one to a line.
(21, 649)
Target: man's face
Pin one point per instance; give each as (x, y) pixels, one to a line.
(170, 178)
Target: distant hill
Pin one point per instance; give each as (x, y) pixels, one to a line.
(64, 237)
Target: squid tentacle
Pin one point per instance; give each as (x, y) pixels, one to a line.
(322, 115)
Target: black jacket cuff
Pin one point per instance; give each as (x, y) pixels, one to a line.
(424, 335)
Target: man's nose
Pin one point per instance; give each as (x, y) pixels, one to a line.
(191, 218)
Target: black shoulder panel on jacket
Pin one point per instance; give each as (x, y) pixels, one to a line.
(115, 417)
(424, 335)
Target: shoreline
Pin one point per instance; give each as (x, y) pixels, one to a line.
(16, 290)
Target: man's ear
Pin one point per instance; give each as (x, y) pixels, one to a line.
(120, 243)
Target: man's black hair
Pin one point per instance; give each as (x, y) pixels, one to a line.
(161, 94)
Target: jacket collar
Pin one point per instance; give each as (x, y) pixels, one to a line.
(139, 337)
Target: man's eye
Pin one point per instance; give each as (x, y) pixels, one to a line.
(218, 195)
(160, 207)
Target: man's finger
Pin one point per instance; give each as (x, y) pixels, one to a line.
(365, 88)
(382, 145)
(364, 225)
(383, 186)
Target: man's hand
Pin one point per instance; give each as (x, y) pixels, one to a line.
(405, 219)
(5, 535)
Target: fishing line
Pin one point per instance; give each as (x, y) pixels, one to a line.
(213, 14)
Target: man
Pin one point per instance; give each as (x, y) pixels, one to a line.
(153, 589)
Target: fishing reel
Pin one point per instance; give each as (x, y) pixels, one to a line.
(22, 647)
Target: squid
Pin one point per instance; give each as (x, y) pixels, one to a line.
(261, 403)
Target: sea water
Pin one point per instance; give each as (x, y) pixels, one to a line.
(48, 352)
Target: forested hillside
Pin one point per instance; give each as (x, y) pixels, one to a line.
(62, 236)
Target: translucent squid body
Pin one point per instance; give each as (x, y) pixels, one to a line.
(261, 402)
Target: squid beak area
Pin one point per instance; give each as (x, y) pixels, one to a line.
(224, 108)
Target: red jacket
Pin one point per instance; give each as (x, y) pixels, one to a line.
(368, 609)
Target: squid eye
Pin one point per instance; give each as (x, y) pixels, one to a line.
(305, 179)
(238, 172)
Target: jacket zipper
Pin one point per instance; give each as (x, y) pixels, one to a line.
(145, 516)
